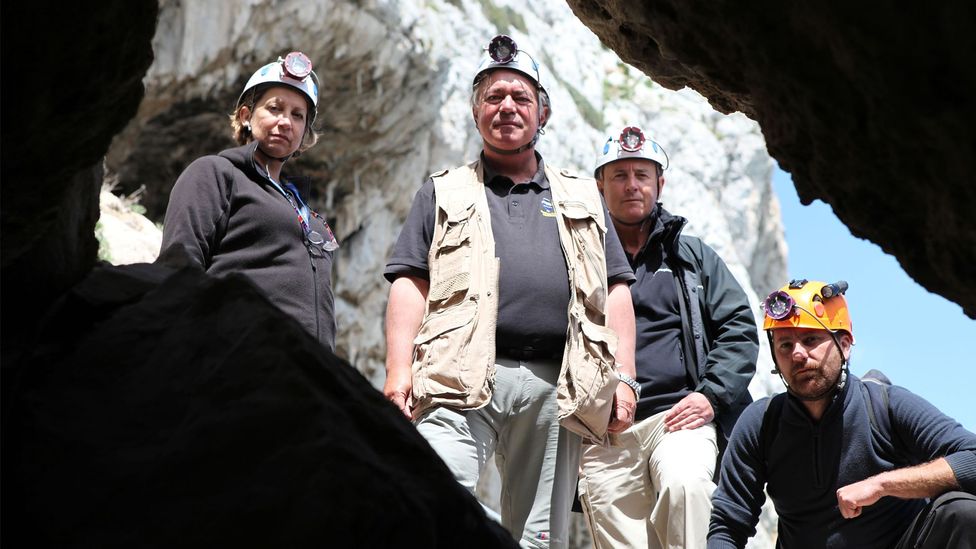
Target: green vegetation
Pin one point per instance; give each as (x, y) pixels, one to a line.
(590, 114)
(104, 253)
(625, 91)
(504, 18)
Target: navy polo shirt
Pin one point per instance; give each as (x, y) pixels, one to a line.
(533, 293)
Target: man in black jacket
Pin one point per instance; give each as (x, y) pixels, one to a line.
(697, 346)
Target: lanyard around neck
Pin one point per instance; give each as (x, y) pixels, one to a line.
(329, 243)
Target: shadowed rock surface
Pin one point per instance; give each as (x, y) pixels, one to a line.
(178, 410)
(73, 78)
(868, 105)
(142, 409)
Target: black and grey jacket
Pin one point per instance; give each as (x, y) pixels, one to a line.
(719, 330)
(226, 216)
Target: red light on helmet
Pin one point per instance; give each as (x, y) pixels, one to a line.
(297, 65)
(502, 49)
(631, 139)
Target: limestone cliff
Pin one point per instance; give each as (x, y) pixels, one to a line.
(394, 108)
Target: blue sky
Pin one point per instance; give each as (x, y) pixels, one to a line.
(919, 339)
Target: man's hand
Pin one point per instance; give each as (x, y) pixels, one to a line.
(691, 412)
(404, 312)
(624, 406)
(853, 498)
(620, 319)
(399, 390)
(927, 480)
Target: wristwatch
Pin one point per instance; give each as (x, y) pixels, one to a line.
(631, 382)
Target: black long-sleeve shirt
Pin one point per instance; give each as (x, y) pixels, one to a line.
(804, 464)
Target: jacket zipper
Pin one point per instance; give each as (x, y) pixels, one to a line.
(315, 294)
(311, 263)
(817, 480)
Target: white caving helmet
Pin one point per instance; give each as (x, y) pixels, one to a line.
(294, 70)
(503, 53)
(631, 144)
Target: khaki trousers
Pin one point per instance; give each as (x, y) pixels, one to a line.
(537, 460)
(650, 488)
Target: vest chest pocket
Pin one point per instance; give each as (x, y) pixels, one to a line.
(451, 275)
(587, 233)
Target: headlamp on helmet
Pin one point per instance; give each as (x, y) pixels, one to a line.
(504, 53)
(779, 305)
(297, 65)
(502, 49)
(632, 143)
(631, 139)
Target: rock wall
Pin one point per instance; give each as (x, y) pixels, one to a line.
(394, 108)
(867, 105)
(70, 87)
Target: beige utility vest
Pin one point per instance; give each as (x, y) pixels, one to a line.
(454, 351)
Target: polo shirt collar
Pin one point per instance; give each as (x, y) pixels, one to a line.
(539, 178)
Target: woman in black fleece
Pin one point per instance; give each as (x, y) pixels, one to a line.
(234, 212)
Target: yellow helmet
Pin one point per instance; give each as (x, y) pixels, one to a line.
(808, 304)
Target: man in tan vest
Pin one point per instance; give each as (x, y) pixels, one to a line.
(510, 326)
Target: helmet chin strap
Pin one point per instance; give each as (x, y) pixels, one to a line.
(282, 159)
(272, 157)
(523, 148)
(838, 387)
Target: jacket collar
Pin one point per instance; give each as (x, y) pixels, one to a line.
(243, 159)
(665, 231)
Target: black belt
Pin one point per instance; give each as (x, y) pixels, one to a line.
(529, 352)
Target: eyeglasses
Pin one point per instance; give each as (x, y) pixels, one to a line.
(315, 239)
(328, 242)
